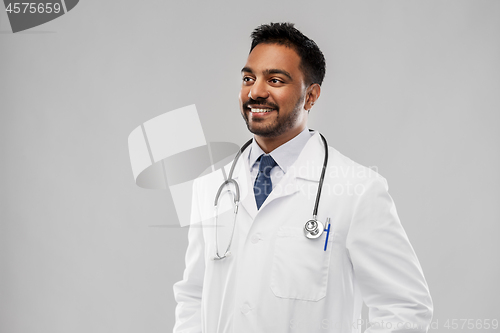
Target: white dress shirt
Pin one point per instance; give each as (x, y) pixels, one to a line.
(284, 156)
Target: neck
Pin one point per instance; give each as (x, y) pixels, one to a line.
(268, 144)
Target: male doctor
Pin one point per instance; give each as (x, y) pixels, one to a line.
(273, 278)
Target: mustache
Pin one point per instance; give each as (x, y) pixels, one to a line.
(259, 101)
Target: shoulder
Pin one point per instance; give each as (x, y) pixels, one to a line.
(342, 168)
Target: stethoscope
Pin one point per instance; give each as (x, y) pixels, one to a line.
(312, 228)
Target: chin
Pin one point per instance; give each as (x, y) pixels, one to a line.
(262, 131)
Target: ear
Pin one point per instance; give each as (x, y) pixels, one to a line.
(312, 95)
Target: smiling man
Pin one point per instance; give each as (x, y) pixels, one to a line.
(316, 234)
(274, 100)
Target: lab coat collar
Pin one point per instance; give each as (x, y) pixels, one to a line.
(310, 161)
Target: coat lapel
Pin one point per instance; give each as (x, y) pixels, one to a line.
(242, 176)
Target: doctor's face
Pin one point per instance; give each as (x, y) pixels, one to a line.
(273, 93)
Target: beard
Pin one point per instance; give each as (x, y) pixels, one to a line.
(280, 125)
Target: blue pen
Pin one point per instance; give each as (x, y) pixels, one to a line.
(327, 233)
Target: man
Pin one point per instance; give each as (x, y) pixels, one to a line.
(276, 279)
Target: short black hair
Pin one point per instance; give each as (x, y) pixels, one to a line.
(312, 63)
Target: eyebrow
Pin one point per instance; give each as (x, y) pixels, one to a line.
(269, 71)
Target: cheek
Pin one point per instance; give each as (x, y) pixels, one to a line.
(286, 98)
(243, 95)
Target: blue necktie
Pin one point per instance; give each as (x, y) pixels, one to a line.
(263, 185)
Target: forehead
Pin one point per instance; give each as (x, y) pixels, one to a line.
(273, 56)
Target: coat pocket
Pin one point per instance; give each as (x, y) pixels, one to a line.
(300, 265)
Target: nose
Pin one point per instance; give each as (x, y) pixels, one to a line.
(258, 90)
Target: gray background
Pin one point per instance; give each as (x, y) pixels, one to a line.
(412, 88)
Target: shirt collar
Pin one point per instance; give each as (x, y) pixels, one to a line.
(286, 154)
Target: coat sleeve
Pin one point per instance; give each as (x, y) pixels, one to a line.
(188, 291)
(386, 269)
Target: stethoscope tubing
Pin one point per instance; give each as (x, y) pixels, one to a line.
(230, 179)
(322, 177)
(236, 200)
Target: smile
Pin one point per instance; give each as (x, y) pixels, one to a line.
(260, 110)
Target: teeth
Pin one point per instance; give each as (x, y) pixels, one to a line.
(261, 110)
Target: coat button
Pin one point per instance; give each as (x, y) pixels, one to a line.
(255, 239)
(245, 309)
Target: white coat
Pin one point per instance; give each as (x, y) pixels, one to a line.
(276, 280)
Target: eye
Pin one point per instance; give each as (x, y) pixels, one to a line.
(275, 81)
(247, 79)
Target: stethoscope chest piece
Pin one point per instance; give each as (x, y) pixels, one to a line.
(313, 229)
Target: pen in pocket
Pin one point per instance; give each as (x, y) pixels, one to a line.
(327, 233)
